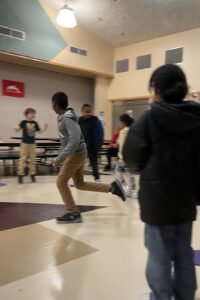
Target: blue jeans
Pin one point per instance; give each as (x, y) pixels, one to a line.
(170, 268)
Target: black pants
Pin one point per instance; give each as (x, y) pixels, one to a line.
(111, 152)
(93, 158)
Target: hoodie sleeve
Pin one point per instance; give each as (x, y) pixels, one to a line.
(74, 133)
(136, 149)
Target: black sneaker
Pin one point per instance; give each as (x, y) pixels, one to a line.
(20, 179)
(70, 218)
(117, 189)
(33, 179)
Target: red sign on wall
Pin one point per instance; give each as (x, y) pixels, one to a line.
(13, 88)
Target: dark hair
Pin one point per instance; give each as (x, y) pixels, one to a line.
(29, 111)
(61, 99)
(126, 119)
(169, 82)
(85, 105)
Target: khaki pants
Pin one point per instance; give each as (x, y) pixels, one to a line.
(73, 166)
(27, 151)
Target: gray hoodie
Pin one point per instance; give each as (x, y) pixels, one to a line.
(71, 137)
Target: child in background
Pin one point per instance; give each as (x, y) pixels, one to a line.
(112, 150)
(93, 133)
(29, 128)
(125, 122)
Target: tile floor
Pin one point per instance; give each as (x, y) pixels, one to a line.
(100, 259)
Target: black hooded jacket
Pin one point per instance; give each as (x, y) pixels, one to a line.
(93, 133)
(164, 147)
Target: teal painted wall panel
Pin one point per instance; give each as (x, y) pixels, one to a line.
(43, 41)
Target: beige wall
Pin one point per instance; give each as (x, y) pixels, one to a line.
(102, 103)
(134, 83)
(40, 85)
(100, 59)
(100, 54)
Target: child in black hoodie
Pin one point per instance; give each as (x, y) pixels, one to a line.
(164, 147)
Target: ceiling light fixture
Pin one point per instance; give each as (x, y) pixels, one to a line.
(66, 17)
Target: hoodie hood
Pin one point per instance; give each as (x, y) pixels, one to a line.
(176, 119)
(71, 137)
(70, 113)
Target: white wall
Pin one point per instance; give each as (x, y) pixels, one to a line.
(39, 88)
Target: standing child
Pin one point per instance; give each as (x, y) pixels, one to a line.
(125, 122)
(72, 158)
(164, 147)
(93, 133)
(112, 150)
(29, 128)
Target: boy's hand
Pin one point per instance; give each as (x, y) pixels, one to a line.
(17, 128)
(57, 163)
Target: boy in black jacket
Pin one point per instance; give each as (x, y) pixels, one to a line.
(163, 146)
(93, 133)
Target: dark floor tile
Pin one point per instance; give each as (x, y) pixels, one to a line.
(20, 214)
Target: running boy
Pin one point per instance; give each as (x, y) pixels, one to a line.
(71, 158)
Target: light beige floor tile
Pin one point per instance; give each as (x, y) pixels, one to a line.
(116, 271)
(31, 249)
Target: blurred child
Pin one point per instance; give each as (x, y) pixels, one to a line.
(93, 133)
(125, 122)
(29, 128)
(112, 150)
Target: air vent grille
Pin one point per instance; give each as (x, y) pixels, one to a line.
(12, 33)
(78, 51)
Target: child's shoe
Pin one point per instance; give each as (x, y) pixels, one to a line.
(20, 179)
(33, 179)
